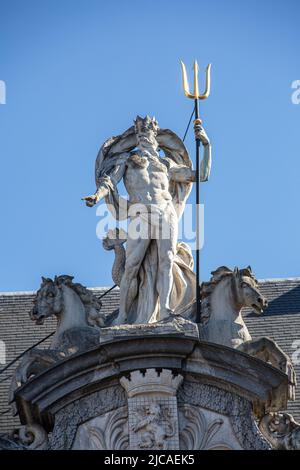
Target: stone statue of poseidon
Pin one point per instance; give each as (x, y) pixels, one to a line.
(158, 279)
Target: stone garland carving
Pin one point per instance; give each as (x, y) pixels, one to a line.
(281, 430)
(238, 409)
(196, 433)
(71, 416)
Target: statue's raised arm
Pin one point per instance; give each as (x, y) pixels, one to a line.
(183, 173)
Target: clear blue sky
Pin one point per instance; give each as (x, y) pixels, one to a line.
(79, 71)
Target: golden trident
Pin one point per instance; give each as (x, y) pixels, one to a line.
(197, 130)
(196, 95)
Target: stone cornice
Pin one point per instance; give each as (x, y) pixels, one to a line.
(79, 375)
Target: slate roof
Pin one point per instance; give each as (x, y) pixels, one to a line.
(281, 321)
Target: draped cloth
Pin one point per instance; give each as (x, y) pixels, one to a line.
(110, 162)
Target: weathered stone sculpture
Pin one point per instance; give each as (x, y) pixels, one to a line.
(129, 393)
(78, 321)
(152, 407)
(281, 430)
(29, 437)
(224, 296)
(115, 240)
(147, 376)
(158, 276)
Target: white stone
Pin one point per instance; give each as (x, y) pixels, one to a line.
(156, 274)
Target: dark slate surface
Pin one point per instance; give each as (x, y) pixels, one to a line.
(281, 321)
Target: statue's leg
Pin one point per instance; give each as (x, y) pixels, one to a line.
(167, 241)
(135, 252)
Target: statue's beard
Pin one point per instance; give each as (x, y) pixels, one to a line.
(148, 145)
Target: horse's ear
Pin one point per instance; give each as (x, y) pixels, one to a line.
(63, 278)
(249, 268)
(46, 279)
(236, 271)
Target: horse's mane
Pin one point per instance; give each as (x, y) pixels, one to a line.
(207, 288)
(91, 303)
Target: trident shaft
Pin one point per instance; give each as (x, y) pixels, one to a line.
(197, 128)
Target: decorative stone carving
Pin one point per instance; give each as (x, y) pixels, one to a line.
(223, 298)
(33, 436)
(106, 432)
(156, 276)
(238, 410)
(78, 321)
(152, 409)
(70, 417)
(281, 430)
(196, 433)
(201, 429)
(28, 437)
(218, 380)
(73, 304)
(153, 425)
(152, 381)
(115, 240)
(152, 341)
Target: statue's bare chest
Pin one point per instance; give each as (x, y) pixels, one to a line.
(142, 167)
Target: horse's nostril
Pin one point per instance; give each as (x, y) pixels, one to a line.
(263, 302)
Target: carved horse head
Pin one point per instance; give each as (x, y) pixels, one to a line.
(48, 300)
(223, 298)
(63, 298)
(246, 291)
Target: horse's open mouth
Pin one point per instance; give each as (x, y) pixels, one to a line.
(257, 308)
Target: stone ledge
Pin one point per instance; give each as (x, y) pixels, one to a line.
(82, 374)
(176, 327)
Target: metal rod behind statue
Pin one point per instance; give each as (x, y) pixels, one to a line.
(197, 129)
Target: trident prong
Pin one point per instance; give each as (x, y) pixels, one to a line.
(196, 95)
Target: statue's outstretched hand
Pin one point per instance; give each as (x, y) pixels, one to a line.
(90, 200)
(94, 198)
